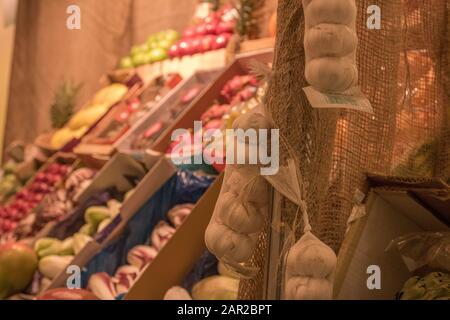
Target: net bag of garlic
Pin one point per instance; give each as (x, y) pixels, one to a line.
(330, 53)
(241, 212)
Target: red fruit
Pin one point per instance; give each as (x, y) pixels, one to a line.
(207, 42)
(153, 130)
(134, 105)
(221, 41)
(211, 27)
(123, 116)
(183, 48)
(40, 177)
(197, 45)
(212, 17)
(174, 51)
(189, 49)
(189, 33)
(190, 95)
(67, 294)
(200, 30)
(226, 27)
(37, 197)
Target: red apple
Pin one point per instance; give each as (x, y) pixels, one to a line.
(134, 105)
(174, 51)
(221, 41)
(211, 27)
(226, 27)
(197, 45)
(207, 43)
(189, 33)
(200, 30)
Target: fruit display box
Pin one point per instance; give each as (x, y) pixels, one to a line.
(393, 208)
(134, 83)
(45, 180)
(121, 121)
(241, 66)
(149, 128)
(177, 258)
(186, 66)
(150, 183)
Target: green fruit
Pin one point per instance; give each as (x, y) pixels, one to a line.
(95, 215)
(158, 54)
(9, 167)
(126, 63)
(88, 230)
(139, 59)
(152, 44)
(18, 264)
(172, 35)
(148, 58)
(164, 44)
(135, 51)
(66, 248)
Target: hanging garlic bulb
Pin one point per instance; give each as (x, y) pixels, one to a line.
(240, 212)
(310, 267)
(330, 44)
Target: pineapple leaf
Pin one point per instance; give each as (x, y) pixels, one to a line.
(63, 105)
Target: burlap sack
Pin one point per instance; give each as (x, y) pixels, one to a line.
(403, 70)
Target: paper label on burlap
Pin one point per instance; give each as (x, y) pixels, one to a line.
(352, 99)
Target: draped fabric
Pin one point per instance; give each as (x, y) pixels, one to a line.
(47, 53)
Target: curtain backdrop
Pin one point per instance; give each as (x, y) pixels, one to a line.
(46, 52)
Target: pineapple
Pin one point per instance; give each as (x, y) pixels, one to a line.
(63, 104)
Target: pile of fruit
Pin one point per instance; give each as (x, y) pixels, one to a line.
(59, 203)
(22, 163)
(127, 114)
(155, 49)
(435, 286)
(146, 139)
(106, 287)
(238, 96)
(55, 255)
(30, 196)
(211, 33)
(80, 123)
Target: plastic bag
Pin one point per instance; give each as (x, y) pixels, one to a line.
(183, 187)
(430, 249)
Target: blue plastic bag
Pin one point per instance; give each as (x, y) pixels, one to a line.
(183, 187)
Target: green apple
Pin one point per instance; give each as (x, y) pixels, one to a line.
(171, 35)
(126, 63)
(135, 50)
(158, 54)
(139, 59)
(165, 44)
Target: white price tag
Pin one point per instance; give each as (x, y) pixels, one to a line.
(351, 99)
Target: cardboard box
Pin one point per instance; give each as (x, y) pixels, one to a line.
(240, 66)
(162, 112)
(394, 208)
(150, 184)
(178, 257)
